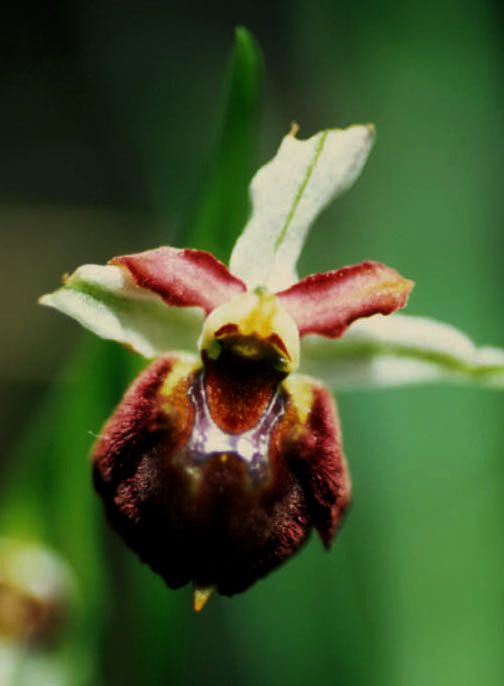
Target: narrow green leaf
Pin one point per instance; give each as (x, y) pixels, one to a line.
(222, 208)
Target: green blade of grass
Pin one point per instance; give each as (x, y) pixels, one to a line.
(222, 208)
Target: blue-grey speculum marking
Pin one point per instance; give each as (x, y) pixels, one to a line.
(251, 446)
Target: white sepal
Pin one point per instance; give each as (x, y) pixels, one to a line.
(287, 195)
(400, 350)
(107, 301)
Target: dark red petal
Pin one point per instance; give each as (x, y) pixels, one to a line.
(326, 304)
(183, 277)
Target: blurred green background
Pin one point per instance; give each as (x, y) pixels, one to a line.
(110, 124)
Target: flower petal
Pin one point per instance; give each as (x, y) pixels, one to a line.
(183, 277)
(106, 300)
(287, 195)
(400, 350)
(328, 303)
(319, 460)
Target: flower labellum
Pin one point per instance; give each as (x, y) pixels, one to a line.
(222, 457)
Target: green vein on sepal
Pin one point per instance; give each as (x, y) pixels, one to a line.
(301, 190)
(146, 325)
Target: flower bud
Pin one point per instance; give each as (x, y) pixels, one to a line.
(37, 591)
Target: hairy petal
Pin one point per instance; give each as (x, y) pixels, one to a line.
(183, 277)
(319, 459)
(107, 301)
(401, 350)
(326, 304)
(287, 195)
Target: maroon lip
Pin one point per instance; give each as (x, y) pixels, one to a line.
(205, 495)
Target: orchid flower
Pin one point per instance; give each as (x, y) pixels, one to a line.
(224, 454)
(38, 599)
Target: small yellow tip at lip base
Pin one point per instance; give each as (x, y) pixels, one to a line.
(201, 595)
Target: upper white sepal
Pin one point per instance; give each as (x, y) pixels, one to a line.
(287, 195)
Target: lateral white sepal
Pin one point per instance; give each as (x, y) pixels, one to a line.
(400, 350)
(107, 301)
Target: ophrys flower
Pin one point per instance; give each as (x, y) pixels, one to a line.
(219, 461)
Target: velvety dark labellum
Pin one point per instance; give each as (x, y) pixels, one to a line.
(215, 472)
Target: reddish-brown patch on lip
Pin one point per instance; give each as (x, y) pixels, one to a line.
(238, 390)
(226, 330)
